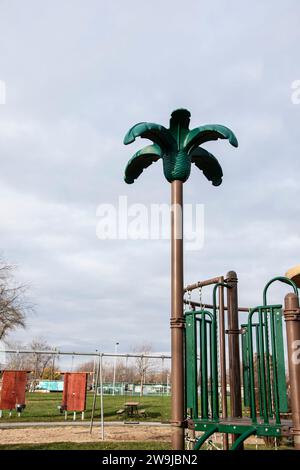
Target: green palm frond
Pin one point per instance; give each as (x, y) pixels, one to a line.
(203, 134)
(141, 160)
(155, 132)
(208, 164)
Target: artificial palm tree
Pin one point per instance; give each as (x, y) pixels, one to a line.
(178, 147)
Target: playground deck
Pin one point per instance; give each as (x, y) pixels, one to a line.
(240, 425)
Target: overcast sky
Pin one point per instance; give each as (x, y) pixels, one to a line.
(78, 75)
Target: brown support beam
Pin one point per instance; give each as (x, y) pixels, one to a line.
(207, 282)
(233, 347)
(292, 318)
(177, 317)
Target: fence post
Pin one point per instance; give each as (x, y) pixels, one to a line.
(292, 318)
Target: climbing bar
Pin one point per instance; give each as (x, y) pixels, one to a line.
(284, 280)
(191, 364)
(202, 325)
(270, 365)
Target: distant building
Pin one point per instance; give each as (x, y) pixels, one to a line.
(49, 386)
(131, 389)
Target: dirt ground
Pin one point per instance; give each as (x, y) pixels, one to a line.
(38, 435)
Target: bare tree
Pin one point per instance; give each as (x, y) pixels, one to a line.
(91, 367)
(40, 364)
(13, 303)
(40, 361)
(15, 361)
(88, 366)
(143, 364)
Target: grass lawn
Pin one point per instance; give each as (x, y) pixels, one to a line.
(90, 446)
(43, 407)
(111, 446)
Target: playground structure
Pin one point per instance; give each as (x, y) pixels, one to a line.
(12, 394)
(263, 410)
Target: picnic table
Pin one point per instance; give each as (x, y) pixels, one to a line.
(132, 408)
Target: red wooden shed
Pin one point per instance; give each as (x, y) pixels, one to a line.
(13, 389)
(74, 393)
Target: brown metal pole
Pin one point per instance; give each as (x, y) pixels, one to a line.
(207, 282)
(177, 318)
(223, 359)
(292, 318)
(233, 347)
